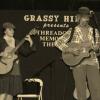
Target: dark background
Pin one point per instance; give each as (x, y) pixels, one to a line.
(58, 80)
(49, 4)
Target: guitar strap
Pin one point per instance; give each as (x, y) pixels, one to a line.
(71, 35)
(94, 35)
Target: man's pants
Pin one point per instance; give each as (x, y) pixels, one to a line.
(91, 75)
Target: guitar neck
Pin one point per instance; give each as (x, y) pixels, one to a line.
(32, 32)
(19, 45)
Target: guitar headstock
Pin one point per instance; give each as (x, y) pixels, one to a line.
(34, 31)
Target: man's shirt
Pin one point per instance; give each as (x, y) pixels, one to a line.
(78, 37)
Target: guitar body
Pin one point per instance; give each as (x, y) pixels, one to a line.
(6, 63)
(72, 59)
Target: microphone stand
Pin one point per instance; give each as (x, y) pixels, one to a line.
(43, 68)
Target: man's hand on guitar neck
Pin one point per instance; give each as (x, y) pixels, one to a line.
(96, 48)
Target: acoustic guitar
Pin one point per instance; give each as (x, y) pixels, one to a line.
(71, 58)
(6, 62)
